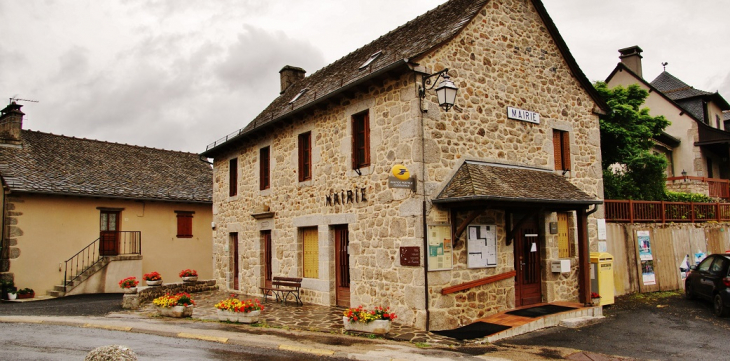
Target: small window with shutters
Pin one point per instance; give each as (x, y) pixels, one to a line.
(310, 247)
(184, 224)
(360, 140)
(561, 147)
(305, 156)
(264, 168)
(233, 177)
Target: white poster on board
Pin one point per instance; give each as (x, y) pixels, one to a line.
(482, 246)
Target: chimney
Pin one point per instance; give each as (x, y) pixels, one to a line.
(11, 122)
(631, 57)
(290, 75)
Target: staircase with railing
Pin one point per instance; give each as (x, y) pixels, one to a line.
(96, 255)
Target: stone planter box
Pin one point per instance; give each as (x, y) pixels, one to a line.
(377, 327)
(176, 311)
(190, 279)
(154, 283)
(241, 317)
(130, 290)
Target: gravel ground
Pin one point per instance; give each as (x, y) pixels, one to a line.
(660, 325)
(80, 305)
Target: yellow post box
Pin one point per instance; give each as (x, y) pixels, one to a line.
(602, 276)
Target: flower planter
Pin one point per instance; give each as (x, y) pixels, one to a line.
(154, 283)
(176, 311)
(130, 290)
(25, 295)
(377, 327)
(596, 301)
(241, 317)
(190, 279)
(12, 296)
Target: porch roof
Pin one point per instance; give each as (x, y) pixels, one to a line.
(511, 186)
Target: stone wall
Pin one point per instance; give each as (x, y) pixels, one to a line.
(504, 57)
(147, 294)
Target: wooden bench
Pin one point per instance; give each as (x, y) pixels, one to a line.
(282, 288)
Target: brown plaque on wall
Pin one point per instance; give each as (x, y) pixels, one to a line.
(410, 256)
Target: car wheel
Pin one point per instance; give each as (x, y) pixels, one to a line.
(688, 292)
(719, 307)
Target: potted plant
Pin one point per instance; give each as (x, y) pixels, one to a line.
(376, 321)
(129, 284)
(189, 275)
(595, 299)
(178, 305)
(234, 310)
(153, 278)
(7, 286)
(26, 293)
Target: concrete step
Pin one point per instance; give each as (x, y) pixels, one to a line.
(55, 293)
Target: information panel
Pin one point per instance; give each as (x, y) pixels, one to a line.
(482, 246)
(440, 252)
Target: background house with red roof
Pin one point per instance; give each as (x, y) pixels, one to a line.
(93, 212)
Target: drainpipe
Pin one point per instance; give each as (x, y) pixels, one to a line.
(425, 223)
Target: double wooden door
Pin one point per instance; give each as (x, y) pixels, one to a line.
(342, 266)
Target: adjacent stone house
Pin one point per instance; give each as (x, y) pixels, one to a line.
(697, 143)
(95, 212)
(357, 181)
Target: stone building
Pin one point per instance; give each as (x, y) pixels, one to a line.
(697, 142)
(93, 212)
(357, 181)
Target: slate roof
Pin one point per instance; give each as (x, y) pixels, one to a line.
(56, 164)
(408, 41)
(478, 181)
(674, 88)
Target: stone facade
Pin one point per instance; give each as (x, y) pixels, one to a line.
(504, 57)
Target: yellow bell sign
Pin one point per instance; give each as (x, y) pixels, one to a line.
(401, 172)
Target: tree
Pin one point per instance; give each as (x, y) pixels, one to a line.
(630, 169)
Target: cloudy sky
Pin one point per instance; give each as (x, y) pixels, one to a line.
(179, 74)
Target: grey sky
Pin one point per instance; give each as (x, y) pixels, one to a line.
(179, 74)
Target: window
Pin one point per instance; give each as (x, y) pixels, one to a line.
(264, 168)
(310, 247)
(360, 140)
(184, 224)
(296, 97)
(561, 147)
(370, 60)
(305, 156)
(233, 177)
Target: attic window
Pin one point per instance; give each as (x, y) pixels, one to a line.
(370, 60)
(301, 92)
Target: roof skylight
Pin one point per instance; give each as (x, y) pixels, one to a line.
(301, 92)
(370, 59)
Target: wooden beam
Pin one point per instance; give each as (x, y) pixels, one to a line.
(472, 216)
(479, 282)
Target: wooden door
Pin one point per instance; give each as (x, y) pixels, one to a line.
(342, 266)
(527, 264)
(234, 260)
(266, 242)
(109, 233)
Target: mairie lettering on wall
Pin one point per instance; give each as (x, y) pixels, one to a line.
(342, 197)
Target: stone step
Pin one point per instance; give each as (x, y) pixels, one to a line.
(55, 293)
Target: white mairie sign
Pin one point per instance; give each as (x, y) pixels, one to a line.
(523, 115)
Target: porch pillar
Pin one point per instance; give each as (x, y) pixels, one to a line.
(584, 267)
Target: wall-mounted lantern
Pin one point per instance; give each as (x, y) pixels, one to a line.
(445, 91)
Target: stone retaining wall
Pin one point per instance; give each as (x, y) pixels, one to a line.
(149, 293)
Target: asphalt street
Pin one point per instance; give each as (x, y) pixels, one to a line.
(79, 305)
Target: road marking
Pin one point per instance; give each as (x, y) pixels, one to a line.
(108, 327)
(314, 351)
(202, 337)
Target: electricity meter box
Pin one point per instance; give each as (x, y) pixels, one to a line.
(602, 276)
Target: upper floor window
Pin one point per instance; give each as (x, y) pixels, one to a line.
(264, 168)
(561, 147)
(184, 224)
(305, 156)
(233, 177)
(360, 140)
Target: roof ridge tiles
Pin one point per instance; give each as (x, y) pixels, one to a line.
(108, 142)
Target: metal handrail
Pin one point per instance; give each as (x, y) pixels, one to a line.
(131, 243)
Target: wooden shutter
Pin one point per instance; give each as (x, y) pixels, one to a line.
(184, 224)
(305, 156)
(311, 253)
(360, 140)
(557, 150)
(563, 239)
(565, 140)
(264, 168)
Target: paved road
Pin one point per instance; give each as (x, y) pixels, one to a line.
(80, 305)
(645, 327)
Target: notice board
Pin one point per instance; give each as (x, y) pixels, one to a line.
(482, 246)
(440, 253)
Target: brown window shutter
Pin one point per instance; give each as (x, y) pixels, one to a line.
(233, 177)
(353, 156)
(557, 150)
(366, 126)
(264, 168)
(566, 150)
(184, 225)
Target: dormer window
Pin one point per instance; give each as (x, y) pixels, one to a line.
(301, 92)
(370, 60)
